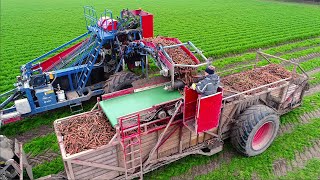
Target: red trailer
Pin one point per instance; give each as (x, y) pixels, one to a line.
(154, 127)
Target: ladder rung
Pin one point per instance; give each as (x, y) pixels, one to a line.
(134, 135)
(131, 126)
(74, 105)
(88, 68)
(132, 152)
(93, 55)
(96, 49)
(133, 168)
(132, 160)
(130, 144)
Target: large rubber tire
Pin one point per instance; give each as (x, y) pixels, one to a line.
(119, 81)
(255, 130)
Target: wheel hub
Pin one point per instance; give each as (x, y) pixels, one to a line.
(262, 136)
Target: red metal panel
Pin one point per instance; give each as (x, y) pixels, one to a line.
(160, 54)
(208, 113)
(146, 22)
(51, 62)
(117, 93)
(11, 120)
(190, 104)
(106, 24)
(147, 26)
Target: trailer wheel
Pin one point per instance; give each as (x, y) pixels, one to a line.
(119, 81)
(255, 130)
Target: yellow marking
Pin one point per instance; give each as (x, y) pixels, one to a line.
(51, 76)
(48, 92)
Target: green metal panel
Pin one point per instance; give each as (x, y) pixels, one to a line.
(130, 103)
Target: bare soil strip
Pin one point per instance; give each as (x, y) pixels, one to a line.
(281, 166)
(306, 57)
(313, 90)
(29, 135)
(304, 119)
(298, 60)
(224, 157)
(46, 156)
(310, 73)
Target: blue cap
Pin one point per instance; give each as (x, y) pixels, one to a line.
(209, 70)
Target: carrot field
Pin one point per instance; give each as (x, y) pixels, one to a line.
(229, 31)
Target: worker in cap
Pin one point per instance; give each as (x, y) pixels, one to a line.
(209, 84)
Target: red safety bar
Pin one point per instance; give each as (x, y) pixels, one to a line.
(186, 50)
(164, 58)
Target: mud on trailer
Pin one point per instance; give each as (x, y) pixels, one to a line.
(155, 127)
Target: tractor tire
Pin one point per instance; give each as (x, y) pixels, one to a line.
(255, 130)
(119, 81)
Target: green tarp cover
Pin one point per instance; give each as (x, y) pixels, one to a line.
(130, 103)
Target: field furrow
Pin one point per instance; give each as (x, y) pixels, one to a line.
(46, 156)
(313, 90)
(305, 118)
(282, 167)
(313, 72)
(229, 31)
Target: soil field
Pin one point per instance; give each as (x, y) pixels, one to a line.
(228, 31)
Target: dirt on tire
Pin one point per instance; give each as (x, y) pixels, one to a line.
(119, 81)
(248, 124)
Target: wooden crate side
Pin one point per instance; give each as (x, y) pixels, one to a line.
(200, 137)
(193, 139)
(108, 156)
(88, 172)
(168, 152)
(97, 154)
(120, 156)
(173, 140)
(81, 168)
(107, 175)
(95, 172)
(148, 141)
(296, 96)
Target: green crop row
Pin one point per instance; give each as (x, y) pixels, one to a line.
(310, 64)
(243, 26)
(39, 144)
(306, 46)
(301, 53)
(310, 171)
(284, 147)
(53, 167)
(310, 103)
(315, 79)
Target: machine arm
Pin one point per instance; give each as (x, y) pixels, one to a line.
(11, 97)
(56, 49)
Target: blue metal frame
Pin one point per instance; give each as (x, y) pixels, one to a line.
(98, 38)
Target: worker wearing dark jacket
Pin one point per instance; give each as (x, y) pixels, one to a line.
(209, 84)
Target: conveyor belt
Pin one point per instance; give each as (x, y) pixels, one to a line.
(131, 103)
